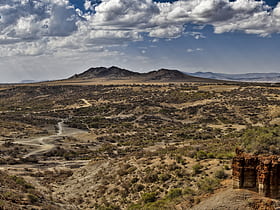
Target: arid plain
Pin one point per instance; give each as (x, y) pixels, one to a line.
(98, 143)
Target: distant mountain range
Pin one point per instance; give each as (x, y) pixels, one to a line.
(249, 77)
(28, 81)
(116, 73)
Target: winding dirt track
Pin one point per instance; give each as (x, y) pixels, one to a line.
(45, 143)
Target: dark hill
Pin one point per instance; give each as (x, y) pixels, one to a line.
(101, 72)
(169, 75)
(116, 73)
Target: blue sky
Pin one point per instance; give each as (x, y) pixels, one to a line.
(51, 39)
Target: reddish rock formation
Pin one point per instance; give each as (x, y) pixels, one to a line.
(257, 173)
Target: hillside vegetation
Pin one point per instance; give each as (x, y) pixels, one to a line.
(133, 146)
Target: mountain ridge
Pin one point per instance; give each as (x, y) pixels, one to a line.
(246, 77)
(99, 72)
(116, 73)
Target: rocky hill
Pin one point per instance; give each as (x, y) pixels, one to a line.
(169, 75)
(116, 73)
(101, 72)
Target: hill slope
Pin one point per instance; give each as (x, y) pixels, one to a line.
(101, 72)
(169, 75)
(116, 73)
(16, 193)
(231, 199)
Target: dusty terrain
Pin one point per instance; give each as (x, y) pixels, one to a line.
(230, 199)
(133, 146)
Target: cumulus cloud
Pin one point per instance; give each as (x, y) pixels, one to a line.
(35, 19)
(45, 26)
(168, 20)
(125, 13)
(223, 15)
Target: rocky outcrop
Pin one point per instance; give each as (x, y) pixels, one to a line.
(257, 173)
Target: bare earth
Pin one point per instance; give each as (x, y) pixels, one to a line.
(231, 199)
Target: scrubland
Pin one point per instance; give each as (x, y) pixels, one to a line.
(130, 146)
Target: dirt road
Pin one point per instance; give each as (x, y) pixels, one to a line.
(46, 143)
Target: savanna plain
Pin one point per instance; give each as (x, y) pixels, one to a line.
(129, 146)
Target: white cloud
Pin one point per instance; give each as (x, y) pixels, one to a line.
(195, 34)
(222, 14)
(168, 20)
(87, 5)
(124, 13)
(47, 26)
(35, 19)
(172, 31)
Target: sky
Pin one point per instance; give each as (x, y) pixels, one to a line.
(54, 39)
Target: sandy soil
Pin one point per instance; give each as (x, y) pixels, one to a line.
(231, 199)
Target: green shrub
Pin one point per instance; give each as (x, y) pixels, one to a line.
(226, 167)
(210, 155)
(138, 187)
(109, 207)
(260, 139)
(159, 204)
(180, 159)
(164, 177)
(227, 155)
(151, 177)
(197, 168)
(208, 185)
(180, 173)
(135, 206)
(134, 180)
(188, 191)
(174, 193)
(220, 174)
(22, 182)
(33, 198)
(201, 155)
(149, 197)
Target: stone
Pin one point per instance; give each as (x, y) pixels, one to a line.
(257, 173)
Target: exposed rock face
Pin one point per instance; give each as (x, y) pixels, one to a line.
(257, 173)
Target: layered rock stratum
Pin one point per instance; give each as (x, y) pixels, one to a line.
(257, 173)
